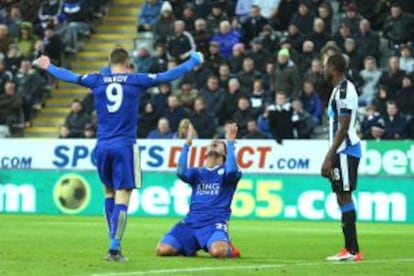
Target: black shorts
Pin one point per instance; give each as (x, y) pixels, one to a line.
(344, 173)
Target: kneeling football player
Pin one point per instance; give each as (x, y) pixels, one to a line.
(213, 186)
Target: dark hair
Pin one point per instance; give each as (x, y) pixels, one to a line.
(281, 93)
(338, 62)
(119, 56)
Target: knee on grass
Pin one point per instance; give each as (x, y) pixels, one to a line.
(165, 250)
(219, 250)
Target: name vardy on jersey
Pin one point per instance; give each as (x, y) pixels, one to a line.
(118, 78)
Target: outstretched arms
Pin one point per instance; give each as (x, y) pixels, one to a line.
(148, 80)
(60, 73)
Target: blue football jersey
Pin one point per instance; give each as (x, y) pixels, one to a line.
(212, 190)
(116, 102)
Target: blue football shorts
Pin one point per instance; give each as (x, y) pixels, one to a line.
(119, 167)
(187, 239)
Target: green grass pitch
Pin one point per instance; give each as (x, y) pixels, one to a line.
(68, 245)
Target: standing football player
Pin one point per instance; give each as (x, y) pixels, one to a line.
(341, 162)
(116, 96)
(213, 186)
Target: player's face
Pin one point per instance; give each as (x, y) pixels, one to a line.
(216, 148)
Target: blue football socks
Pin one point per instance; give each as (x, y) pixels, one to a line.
(118, 223)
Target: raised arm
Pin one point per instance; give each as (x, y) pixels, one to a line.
(149, 80)
(183, 172)
(233, 174)
(59, 73)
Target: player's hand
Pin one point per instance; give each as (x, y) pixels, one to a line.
(43, 62)
(198, 56)
(231, 132)
(326, 169)
(190, 133)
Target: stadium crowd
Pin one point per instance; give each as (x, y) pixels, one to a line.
(28, 29)
(263, 69)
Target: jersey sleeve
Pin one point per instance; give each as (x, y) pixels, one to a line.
(184, 173)
(348, 100)
(149, 80)
(89, 80)
(233, 173)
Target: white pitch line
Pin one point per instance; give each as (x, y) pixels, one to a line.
(243, 267)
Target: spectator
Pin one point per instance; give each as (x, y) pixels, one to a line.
(248, 74)
(392, 78)
(243, 9)
(352, 19)
(302, 121)
(189, 17)
(405, 97)
(238, 55)
(187, 94)
(259, 54)
(183, 129)
(325, 13)
(242, 115)
(231, 98)
(160, 100)
(164, 26)
(216, 16)
(224, 75)
(253, 25)
(252, 131)
(285, 13)
(5, 39)
(147, 120)
(304, 60)
(280, 118)
(355, 58)
(381, 99)
(395, 124)
(263, 124)
(75, 13)
(31, 87)
(214, 58)
(268, 8)
(259, 98)
(174, 113)
(295, 37)
(371, 75)
(10, 105)
(372, 125)
(77, 119)
(148, 15)
(25, 40)
(321, 85)
(88, 102)
(203, 123)
(13, 58)
(406, 59)
(15, 21)
(53, 45)
(202, 8)
(286, 74)
(38, 51)
(142, 59)
(270, 39)
(159, 59)
(227, 38)
(311, 102)
(181, 43)
(64, 132)
(367, 40)
(162, 131)
(201, 36)
(320, 35)
(213, 96)
(343, 33)
(198, 76)
(48, 14)
(89, 131)
(303, 18)
(398, 26)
